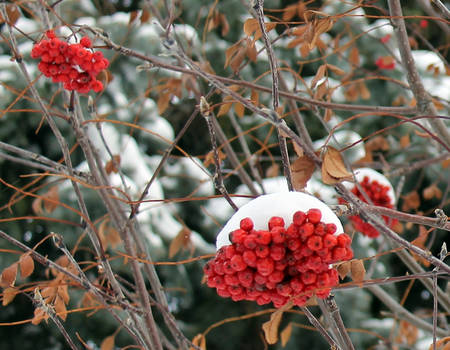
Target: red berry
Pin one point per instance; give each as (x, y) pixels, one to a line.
(85, 41)
(228, 268)
(349, 254)
(305, 251)
(284, 289)
(315, 243)
(224, 293)
(249, 258)
(235, 289)
(294, 244)
(245, 277)
(231, 280)
(263, 237)
(343, 240)
(339, 253)
(246, 224)
(265, 266)
(314, 215)
(281, 265)
(297, 285)
(277, 252)
(98, 56)
(276, 276)
(262, 251)
(237, 263)
(320, 229)
(237, 236)
(259, 279)
(250, 241)
(306, 230)
(208, 269)
(292, 231)
(218, 268)
(323, 293)
(308, 277)
(299, 218)
(275, 221)
(323, 280)
(278, 234)
(229, 251)
(329, 241)
(330, 228)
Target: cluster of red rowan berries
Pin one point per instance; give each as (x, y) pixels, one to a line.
(279, 264)
(378, 195)
(76, 66)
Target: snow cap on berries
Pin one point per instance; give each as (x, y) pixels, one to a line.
(282, 205)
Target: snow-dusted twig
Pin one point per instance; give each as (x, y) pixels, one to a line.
(424, 102)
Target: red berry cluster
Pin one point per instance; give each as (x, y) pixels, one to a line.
(74, 65)
(280, 263)
(379, 196)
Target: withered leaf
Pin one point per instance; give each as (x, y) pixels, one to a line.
(432, 191)
(145, 16)
(353, 57)
(405, 141)
(50, 199)
(302, 169)
(378, 143)
(26, 263)
(239, 109)
(60, 308)
(333, 167)
(319, 75)
(113, 164)
(411, 201)
(273, 170)
(442, 344)
(285, 334)
(270, 327)
(9, 276)
(39, 315)
(357, 271)
(13, 14)
(8, 295)
(108, 343)
(181, 240)
(408, 333)
(343, 269)
(200, 341)
(251, 27)
(335, 69)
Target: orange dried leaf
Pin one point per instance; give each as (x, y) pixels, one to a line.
(26, 263)
(328, 114)
(200, 341)
(289, 12)
(442, 344)
(364, 91)
(335, 69)
(252, 53)
(378, 143)
(39, 315)
(60, 308)
(285, 335)
(273, 170)
(224, 109)
(8, 295)
(113, 164)
(237, 59)
(343, 269)
(408, 333)
(321, 90)
(9, 276)
(63, 293)
(133, 16)
(145, 16)
(405, 141)
(319, 75)
(445, 163)
(37, 206)
(163, 102)
(51, 199)
(181, 240)
(108, 343)
(270, 327)
(432, 191)
(411, 201)
(251, 25)
(239, 109)
(13, 14)
(302, 169)
(357, 271)
(353, 57)
(333, 167)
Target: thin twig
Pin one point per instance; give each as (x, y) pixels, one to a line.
(315, 322)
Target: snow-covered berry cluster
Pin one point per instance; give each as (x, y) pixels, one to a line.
(377, 191)
(280, 262)
(74, 65)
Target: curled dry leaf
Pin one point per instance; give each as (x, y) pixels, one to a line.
(251, 28)
(200, 341)
(405, 141)
(442, 344)
(8, 295)
(26, 263)
(357, 271)
(302, 170)
(270, 327)
(411, 201)
(432, 191)
(333, 167)
(9, 276)
(407, 333)
(181, 240)
(108, 343)
(285, 334)
(13, 14)
(343, 269)
(112, 166)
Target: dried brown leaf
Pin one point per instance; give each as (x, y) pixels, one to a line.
(285, 334)
(445, 163)
(145, 16)
(133, 16)
(60, 308)
(270, 327)
(411, 201)
(108, 343)
(343, 269)
(335, 69)
(289, 12)
(36, 205)
(378, 143)
(442, 344)
(9, 276)
(405, 141)
(432, 191)
(302, 169)
(273, 170)
(328, 114)
(13, 14)
(319, 75)
(239, 109)
(163, 102)
(8, 295)
(408, 333)
(353, 57)
(200, 341)
(321, 90)
(357, 271)
(252, 53)
(181, 240)
(26, 263)
(364, 91)
(113, 164)
(333, 167)
(51, 199)
(39, 315)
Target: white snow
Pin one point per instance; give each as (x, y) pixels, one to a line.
(284, 205)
